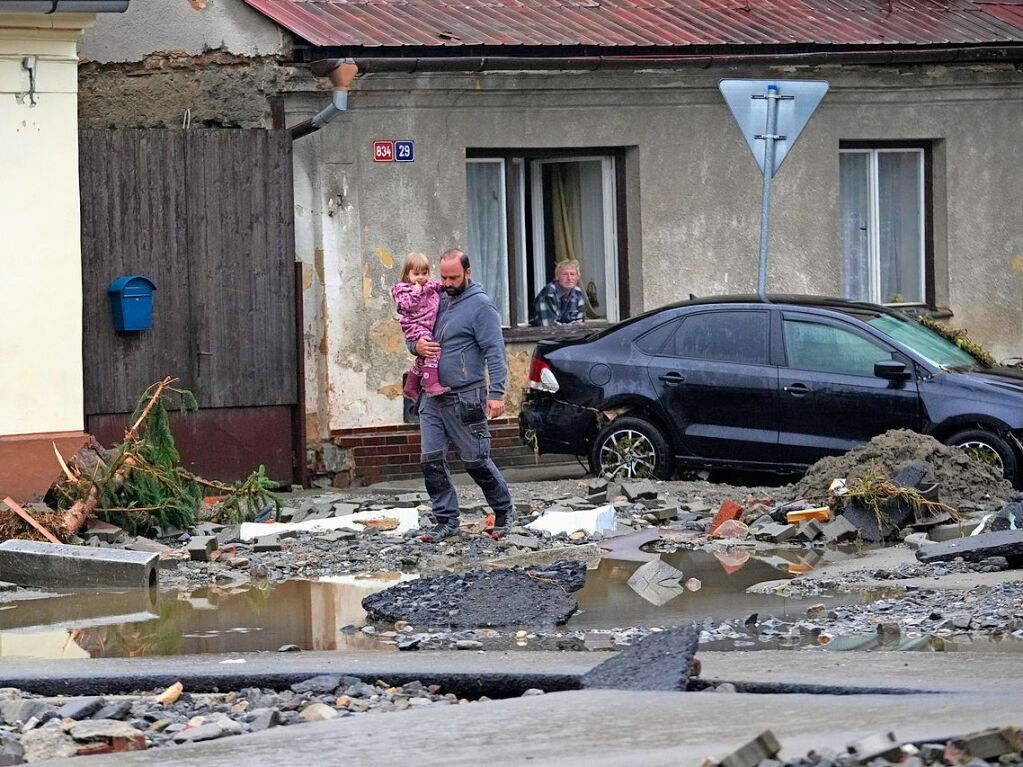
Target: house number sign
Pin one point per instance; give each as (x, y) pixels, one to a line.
(394, 151)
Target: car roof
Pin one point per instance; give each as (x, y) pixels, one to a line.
(831, 303)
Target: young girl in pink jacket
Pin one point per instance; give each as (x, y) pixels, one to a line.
(417, 297)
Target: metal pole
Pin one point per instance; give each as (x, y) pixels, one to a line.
(765, 203)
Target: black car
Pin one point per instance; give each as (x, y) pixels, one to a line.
(739, 382)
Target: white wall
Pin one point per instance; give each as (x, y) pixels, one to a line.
(40, 260)
(188, 26)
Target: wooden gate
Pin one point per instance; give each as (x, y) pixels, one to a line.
(208, 216)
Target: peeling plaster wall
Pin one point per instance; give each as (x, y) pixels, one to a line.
(190, 27)
(693, 189)
(173, 90)
(169, 63)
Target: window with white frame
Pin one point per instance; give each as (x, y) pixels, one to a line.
(527, 211)
(883, 224)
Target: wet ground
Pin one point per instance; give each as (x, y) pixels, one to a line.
(326, 614)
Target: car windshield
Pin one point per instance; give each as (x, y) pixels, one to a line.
(928, 344)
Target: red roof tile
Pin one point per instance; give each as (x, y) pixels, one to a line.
(646, 23)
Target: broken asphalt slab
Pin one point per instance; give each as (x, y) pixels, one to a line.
(974, 548)
(661, 661)
(483, 598)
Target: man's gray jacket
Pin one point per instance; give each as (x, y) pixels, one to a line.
(468, 329)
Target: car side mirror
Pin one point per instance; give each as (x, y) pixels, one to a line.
(892, 370)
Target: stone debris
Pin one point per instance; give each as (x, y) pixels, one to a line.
(997, 746)
(142, 721)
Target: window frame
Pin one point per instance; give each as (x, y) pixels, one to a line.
(925, 179)
(520, 237)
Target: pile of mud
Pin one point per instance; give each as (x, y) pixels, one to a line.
(963, 482)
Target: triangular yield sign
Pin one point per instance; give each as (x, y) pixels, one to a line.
(801, 98)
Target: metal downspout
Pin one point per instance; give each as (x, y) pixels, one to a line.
(341, 75)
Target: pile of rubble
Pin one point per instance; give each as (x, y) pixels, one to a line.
(997, 746)
(965, 483)
(34, 728)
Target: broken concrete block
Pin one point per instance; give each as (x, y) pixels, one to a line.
(598, 485)
(523, 542)
(657, 582)
(660, 661)
(269, 543)
(698, 507)
(207, 528)
(635, 491)
(591, 521)
(145, 544)
(974, 548)
(346, 509)
(809, 530)
(840, 530)
(916, 540)
(664, 514)
(884, 745)
(773, 532)
(993, 743)
(33, 563)
(201, 547)
(764, 746)
(729, 510)
(105, 531)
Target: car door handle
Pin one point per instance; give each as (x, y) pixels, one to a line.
(672, 379)
(797, 389)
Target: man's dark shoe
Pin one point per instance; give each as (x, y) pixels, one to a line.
(443, 529)
(503, 523)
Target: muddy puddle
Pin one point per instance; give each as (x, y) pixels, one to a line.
(320, 614)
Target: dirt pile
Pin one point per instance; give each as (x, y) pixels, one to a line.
(964, 483)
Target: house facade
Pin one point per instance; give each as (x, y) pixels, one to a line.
(563, 131)
(41, 339)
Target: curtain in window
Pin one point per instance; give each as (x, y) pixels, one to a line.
(488, 251)
(854, 201)
(898, 190)
(577, 213)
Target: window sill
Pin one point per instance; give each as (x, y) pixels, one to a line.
(533, 334)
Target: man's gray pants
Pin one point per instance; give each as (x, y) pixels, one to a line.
(459, 419)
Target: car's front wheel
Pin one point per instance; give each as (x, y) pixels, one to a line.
(989, 448)
(631, 448)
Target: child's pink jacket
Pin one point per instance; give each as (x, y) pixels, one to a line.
(417, 309)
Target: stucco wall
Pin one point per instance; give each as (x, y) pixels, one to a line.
(691, 177)
(40, 262)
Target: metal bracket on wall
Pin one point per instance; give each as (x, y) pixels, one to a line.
(29, 65)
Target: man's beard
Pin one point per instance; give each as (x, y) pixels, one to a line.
(455, 292)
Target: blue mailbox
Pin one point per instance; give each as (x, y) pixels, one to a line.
(131, 301)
